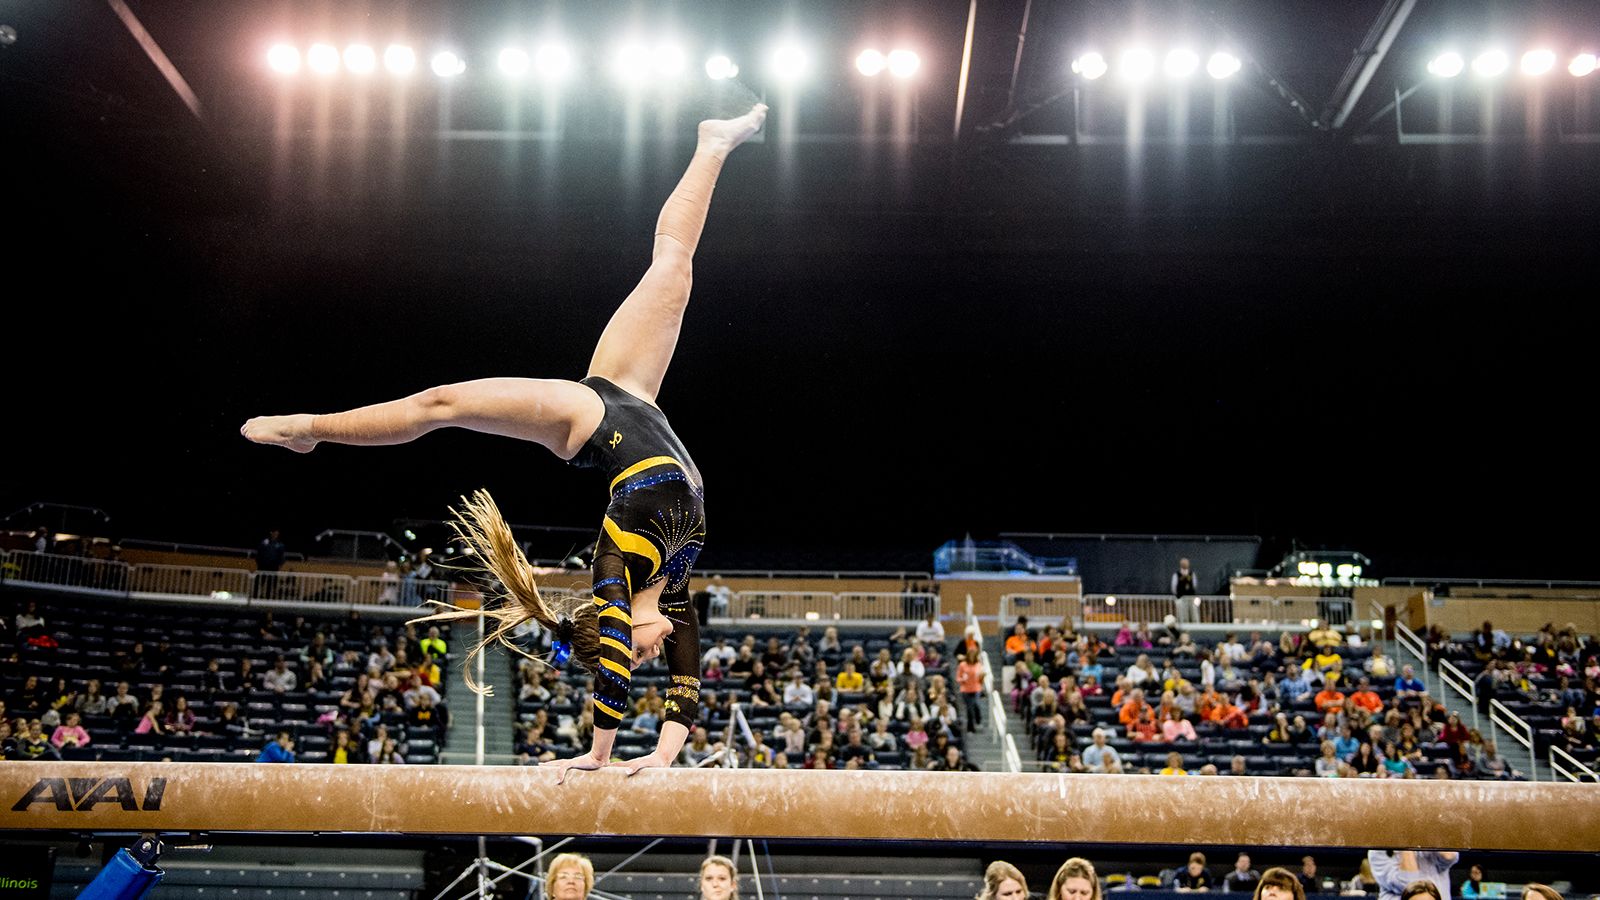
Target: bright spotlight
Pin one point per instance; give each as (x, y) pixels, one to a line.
(552, 61)
(284, 58)
(1111, 601)
(1491, 63)
(1090, 65)
(399, 59)
(1137, 65)
(323, 58)
(448, 65)
(904, 63)
(360, 59)
(1538, 62)
(669, 60)
(870, 63)
(1446, 65)
(1223, 65)
(1582, 65)
(514, 62)
(790, 62)
(720, 68)
(632, 64)
(1181, 63)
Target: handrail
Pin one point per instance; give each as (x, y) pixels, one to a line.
(1408, 639)
(1152, 538)
(1012, 757)
(1567, 766)
(1458, 681)
(808, 573)
(1519, 730)
(1417, 581)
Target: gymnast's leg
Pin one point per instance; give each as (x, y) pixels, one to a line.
(637, 344)
(559, 415)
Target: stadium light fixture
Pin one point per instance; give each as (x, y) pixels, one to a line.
(1136, 65)
(283, 58)
(1582, 65)
(904, 63)
(1491, 64)
(552, 61)
(668, 60)
(360, 59)
(720, 68)
(1091, 66)
(1538, 62)
(446, 64)
(870, 63)
(514, 62)
(790, 62)
(1181, 63)
(399, 59)
(323, 58)
(1223, 65)
(1446, 65)
(632, 63)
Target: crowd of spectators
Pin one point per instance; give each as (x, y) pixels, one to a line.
(828, 701)
(1326, 702)
(78, 683)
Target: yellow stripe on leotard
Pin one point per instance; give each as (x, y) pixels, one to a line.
(616, 667)
(640, 466)
(616, 645)
(629, 542)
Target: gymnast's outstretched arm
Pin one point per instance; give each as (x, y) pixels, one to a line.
(559, 415)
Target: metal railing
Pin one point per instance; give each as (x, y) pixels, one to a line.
(783, 607)
(1013, 758)
(1457, 681)
(1240, 611)
(1564, 765)
(219, 584)
(1415, 581)
(1520, 731)
(999, 556)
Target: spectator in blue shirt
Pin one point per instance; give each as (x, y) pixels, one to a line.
(1395, 869)
(1407, 684)
(1297, 685)
(1346, 745)
(279, 751)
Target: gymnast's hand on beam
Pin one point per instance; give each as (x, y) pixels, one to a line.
(586, 762)
(648, 761)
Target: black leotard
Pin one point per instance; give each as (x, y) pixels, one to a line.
(653, 530)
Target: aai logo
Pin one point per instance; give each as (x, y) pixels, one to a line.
(84, 794)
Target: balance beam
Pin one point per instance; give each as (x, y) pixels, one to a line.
(866, 805)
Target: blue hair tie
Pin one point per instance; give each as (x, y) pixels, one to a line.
(561, 652)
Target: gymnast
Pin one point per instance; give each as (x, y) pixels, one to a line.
(654, 525)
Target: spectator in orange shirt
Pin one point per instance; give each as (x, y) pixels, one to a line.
(1366, 698)
(1329, 699)
(1019, 642)
(1135, 707)
(969, 677)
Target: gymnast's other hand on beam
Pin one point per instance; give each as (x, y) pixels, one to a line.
(586, 762)
(648, 761)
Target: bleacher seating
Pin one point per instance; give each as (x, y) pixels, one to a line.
(88, 638)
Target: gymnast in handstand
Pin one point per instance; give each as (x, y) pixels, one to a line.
(654, 525)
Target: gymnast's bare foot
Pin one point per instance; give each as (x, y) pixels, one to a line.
(722, 135)
(293, 432)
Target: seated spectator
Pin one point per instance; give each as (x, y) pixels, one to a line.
(280, 750)
(1379, 665)
(1194, 876)
(1324, 637)
(1177, 728)
(388, 754)
(797, 694)
(346, 750)
(916, 736)
(1142, 671)
(1365, 762)
(1346, 744)
(952, 761)
(1279, 884)
(1241, 878)
(881, 740)
(1075, 880)
(425, 714)
(854, 749)
(1395, 765)
(1309, 882)
(1301, 734)
(1330, 699)
(849, 680)
(70, 733)
(698, 748)
(1408, 686)
(931, 630)
(1018, 643)
(415, 691)
(152, 721)
(1100, 756)
(1175, 767)
(1134, 709)
(1280, 732)
(1296, 685)
(1144, 730)
(1328, 764)
(819, 759)
(1366, 698)
(1488, 763)
(32, 744)
(1237, 766)
(179, 719)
